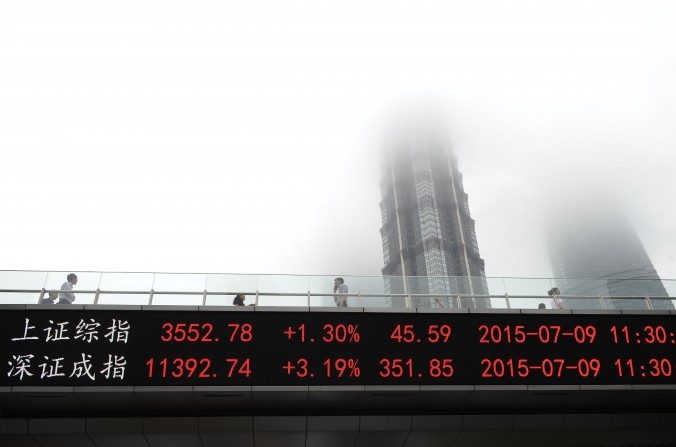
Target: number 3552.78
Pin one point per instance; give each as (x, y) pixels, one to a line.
(204, 332)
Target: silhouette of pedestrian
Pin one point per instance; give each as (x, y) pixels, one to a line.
(66, 296)
(340, 291)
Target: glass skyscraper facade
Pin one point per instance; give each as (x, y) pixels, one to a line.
(427, 232)
(598, 242)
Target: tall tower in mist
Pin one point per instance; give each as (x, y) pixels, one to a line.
(427, 232)
(597, 242)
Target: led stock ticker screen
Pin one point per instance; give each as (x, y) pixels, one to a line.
(158, 347)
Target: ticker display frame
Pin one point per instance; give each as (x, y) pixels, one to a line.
(489, 314)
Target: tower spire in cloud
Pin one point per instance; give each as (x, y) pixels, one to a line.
(427, 232)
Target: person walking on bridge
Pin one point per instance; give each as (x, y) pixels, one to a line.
(557, 302)
(340, 291)
(66, 296)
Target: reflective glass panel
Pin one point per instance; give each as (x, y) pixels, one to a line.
(125, 282)
(21, 280)
(231, 284)
(179, 282)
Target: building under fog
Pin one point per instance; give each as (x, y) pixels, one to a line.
(597, 241)
(427, 232)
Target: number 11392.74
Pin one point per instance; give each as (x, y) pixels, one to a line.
(198, 368)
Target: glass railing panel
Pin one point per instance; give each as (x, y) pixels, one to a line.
(125, 282)
(231, 284)
(371, 284)
(458, 286)
(479, 285)
(417, 284)
(324, 284)
(579, 302)
(283, 284)
(352, 283)
(662, 303)
(567, 302)
(581, 287)
(85, 281)
(634, 287)
(394, 284)
(374, 300)
(21, 280)
(528, 286)
(464, 286)
(626, 303)
(180, 282)
(496, 287)
(658, 300)
(670, 287)
(581, 293)
(294, 300)
(427, 291)
(479, 288)
(292, 289)
(175, 299)
(444, 290)
(195, 283)
(498, 302)
(373, 290)
(435, 291)
(396, 301)
(528, 302)
(654, 287)
(545, 302)
(352, 301)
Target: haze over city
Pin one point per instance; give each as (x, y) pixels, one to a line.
(201, 136)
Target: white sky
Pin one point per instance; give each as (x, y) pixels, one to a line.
(218, 136)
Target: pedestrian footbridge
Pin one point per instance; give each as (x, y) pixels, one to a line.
(152, 360)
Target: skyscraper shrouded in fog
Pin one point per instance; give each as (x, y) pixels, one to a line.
(427, 232)
(597, 252)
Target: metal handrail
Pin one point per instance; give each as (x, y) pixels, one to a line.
(308, 294)
(596, 288)
(303, 294)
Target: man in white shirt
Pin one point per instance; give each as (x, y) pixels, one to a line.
(67, 297)
(557, 302)
(340, 290)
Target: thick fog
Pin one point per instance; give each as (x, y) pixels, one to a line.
(199, 136)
